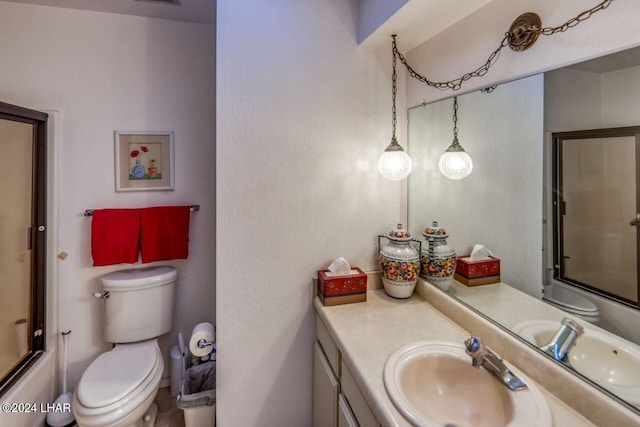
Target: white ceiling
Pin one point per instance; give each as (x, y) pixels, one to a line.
(199, 11)
(614, 62)
(419, 20)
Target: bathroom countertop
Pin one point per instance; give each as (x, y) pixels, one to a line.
(368, 333)
(505, 304)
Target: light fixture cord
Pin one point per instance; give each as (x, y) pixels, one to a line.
(394, 91)
(484, 68)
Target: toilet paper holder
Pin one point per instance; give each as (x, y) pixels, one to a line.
(202, 343)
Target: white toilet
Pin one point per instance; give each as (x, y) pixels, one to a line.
(571, 302)
(119, 386)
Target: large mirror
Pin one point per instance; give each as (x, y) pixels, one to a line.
(514, 202)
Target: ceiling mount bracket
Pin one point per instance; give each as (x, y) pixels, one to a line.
(524, 31)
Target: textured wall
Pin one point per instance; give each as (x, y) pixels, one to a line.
(303, 115)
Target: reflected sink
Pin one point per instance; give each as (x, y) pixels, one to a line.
(606, 359)
(432, 383)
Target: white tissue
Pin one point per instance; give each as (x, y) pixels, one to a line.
(340, 267)
(480, 253)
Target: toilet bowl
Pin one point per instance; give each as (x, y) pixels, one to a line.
(572, 302)
(119, 386)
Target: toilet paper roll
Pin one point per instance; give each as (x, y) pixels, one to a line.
(203, 331)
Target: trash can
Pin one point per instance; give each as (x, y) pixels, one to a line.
(197, 397)
(177, 369)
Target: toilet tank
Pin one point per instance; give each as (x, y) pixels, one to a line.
(140, 303)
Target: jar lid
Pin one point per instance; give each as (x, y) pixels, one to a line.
(435, 231)
(399, 234)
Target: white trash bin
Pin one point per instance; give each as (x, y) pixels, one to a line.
(197, 397)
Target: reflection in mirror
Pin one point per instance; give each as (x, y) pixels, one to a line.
(506, 202)
(499, 204)
(595, 210)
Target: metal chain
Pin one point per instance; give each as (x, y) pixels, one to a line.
(394, 90)
(455, 118)
(484, 68)
(547, 31)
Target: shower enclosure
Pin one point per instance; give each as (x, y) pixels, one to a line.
(597, 216)
(22, 239)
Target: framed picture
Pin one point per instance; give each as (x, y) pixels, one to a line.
(144, 161)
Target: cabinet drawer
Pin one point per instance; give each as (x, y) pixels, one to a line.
(356, 400)
(329, 347)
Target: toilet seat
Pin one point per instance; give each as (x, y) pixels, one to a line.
(572, 302)
(119, 384)
(115, 374)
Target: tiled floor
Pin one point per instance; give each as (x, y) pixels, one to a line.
(169, 415)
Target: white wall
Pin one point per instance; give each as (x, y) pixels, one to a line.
(303, 115)
(106, 72)
(583, 89)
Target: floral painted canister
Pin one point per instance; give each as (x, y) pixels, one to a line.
(399, 264)
(438, 258)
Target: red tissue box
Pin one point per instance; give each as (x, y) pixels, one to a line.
(335, 290)
(481, 272)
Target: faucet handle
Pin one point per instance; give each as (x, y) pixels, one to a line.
(475, 348)
(573, 325)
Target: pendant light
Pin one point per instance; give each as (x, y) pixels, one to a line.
(455, 163)
(395, 163)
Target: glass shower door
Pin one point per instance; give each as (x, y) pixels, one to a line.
(597, 207)
(16, 184)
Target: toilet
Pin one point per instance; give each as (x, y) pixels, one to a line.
(571, 302)
(119, 386)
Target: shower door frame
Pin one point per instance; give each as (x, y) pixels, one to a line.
(37, 238)
(558, 205)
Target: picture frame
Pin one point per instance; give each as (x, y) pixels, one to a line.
(144, 161)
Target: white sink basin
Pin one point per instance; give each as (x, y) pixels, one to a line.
(606, 359)
(432, 383)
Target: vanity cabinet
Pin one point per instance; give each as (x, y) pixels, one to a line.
(337, 400)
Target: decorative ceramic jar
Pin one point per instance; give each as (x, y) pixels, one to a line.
(438, 258)
(399, 264)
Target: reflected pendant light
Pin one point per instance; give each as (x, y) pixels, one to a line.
(395, 163)
(455, 163)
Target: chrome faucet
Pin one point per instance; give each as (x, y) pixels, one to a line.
(563, 340)
(482, 356)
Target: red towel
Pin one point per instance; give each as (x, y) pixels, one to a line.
(165, 233)
(115, 236)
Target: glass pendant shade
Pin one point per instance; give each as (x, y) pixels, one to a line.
(455, 163)
(394, 164)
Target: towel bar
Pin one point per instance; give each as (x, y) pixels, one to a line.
(193, 208)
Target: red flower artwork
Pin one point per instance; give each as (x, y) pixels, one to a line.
(136, 153)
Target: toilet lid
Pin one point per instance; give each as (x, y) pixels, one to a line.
(571, 300)
(115, 374)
